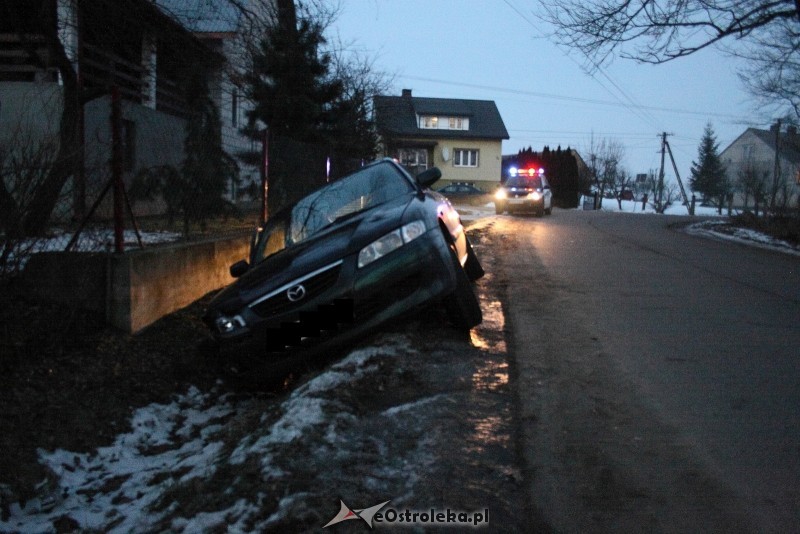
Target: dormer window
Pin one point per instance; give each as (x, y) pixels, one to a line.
(429, 122)
(437, 122)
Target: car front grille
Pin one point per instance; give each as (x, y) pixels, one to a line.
(313, 284)
(518, 194)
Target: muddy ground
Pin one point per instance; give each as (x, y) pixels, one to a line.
(69, 381)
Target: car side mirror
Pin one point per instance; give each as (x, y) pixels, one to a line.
(239, 268)
(429, 177)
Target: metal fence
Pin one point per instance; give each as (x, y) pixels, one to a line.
(133, 188)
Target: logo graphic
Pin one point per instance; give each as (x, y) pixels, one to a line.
(346, 513)
(296, 293)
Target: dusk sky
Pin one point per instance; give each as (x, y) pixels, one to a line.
(499, 50)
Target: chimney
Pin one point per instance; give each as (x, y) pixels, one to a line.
(406, 93)
(775, 128)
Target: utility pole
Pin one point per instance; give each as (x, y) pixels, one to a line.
(678, 177)
(659, 192)
(777, 170)
(264, 171)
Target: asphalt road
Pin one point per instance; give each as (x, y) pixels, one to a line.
(658, 374)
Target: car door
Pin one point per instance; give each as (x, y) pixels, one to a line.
(548, 194)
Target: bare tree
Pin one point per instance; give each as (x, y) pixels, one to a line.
(657, 31)
(772, 71)
(662, 193)
(753, 182)
(661, 30)
(622, 183)
(38, 28)
(605, 166)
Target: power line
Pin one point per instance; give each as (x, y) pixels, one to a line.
(641, 135)
(566, 98)
(632, 105)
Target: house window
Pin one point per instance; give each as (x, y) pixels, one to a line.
(414, 160)
(413, 157)
(433, 122)
(429, 122)
(465, 157)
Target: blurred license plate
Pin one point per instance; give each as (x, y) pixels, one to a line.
(516, 200)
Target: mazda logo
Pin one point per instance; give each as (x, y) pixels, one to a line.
(296, 293)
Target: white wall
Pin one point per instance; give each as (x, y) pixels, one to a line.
(29, 112)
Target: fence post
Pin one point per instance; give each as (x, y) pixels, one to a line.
(264, 173)
(116, 169)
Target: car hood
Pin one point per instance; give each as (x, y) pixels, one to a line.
(328, 246)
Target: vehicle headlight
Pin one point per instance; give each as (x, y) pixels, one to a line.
(535, 195)
(501, 194)
(390, 242)
(226, 325)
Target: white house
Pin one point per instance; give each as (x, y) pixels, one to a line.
(760, 161)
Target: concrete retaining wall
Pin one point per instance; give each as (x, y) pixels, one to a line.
(139, 287)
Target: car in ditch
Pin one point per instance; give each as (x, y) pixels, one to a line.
(362, 250)
(525, 190)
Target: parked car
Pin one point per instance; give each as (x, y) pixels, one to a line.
(525, 192)
(361, 250)
(460, 190)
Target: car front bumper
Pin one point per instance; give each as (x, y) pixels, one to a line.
(353, 300)
(524, 204)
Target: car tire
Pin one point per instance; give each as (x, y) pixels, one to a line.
(548, 211)
(473, 266)
(499, 208)
(462, 305)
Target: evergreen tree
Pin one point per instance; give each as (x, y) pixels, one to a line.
(561, 170)
(316, 106)
(708, 173)
(290, 83)
(196, 190)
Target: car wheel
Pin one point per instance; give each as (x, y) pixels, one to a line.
(499, 208)
(548, 211)
(463, 308)
(473, 266)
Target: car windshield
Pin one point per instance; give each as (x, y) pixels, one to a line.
(358, 192)
(530, 182)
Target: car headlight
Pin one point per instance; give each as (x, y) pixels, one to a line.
(501, 194)
(535, 195)
(226, 325)
(390, 242)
